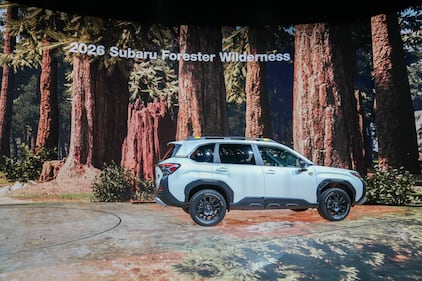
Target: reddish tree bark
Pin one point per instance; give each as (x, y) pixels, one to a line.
(82, 118)
(6, 98)
(48, 125)
(99, 114)
(202, 94)
(395, 120)
(325, 116)
(149, 130)
(258, 118)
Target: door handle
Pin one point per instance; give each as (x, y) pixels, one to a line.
(222, 169)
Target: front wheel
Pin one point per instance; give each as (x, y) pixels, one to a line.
(207, 207)
(335, 204)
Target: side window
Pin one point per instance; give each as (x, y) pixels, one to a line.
(204, 153)
(236, 154)
(274, 156)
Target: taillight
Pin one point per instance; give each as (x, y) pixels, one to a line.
(356, 174)
(169, 168)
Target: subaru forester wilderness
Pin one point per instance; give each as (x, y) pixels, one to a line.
(209, 176)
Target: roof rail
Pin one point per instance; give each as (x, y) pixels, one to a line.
(229, 138)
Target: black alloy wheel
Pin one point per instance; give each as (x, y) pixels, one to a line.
(335, 204)
(207, 207)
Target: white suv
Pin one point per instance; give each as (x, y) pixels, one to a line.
(207, 176)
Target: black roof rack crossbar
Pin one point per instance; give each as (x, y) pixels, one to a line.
(228, 138)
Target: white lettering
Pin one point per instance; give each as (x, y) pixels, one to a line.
(224, 57)
(130, 53)
(244, 57)
(114, 51)
(165, 54)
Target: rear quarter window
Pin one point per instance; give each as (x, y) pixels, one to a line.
(204, 153)
(171, 151)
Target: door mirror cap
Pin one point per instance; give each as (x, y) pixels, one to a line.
(302, 165)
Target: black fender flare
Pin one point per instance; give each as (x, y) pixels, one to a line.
(347, 186)
(220, 186)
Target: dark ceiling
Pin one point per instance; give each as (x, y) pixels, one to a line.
(219, 12)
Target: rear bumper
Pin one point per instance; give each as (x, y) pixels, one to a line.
(159, 201)
(164, 197)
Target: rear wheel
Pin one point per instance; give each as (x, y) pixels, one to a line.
(335, 204)
(207, 207)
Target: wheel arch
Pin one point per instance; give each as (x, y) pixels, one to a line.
(219, 186)
(336, 183)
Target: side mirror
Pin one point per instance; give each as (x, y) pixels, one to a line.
(302, 165)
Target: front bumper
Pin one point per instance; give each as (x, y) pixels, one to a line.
(363, 199)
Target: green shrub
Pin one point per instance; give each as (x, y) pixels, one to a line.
(27, 166)
(116, 184)
(390, 186)
(145, 191)
(3, 180)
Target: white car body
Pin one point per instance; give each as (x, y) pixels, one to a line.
(265, 175)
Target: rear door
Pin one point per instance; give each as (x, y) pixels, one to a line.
(236, 166)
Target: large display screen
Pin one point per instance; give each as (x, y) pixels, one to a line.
(100, 90)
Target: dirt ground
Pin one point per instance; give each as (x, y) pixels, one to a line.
(136, 241)
(46, 191)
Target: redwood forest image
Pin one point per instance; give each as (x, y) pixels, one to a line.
(80, 94)
(89, 104)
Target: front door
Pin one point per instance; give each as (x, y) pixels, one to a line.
(285, 182)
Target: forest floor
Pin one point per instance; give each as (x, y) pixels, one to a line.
(51, 236)
(79, 241)
(64, 190)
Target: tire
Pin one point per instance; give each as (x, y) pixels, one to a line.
(335, 204)
(207, 207)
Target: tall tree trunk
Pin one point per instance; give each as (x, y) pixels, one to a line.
(324, 108)
(6, 92)
(48, 125)
(395, 120)
(80, 158)
(150, 128)
(99, 114)
(202, 94)
(111, 113)
(344, 75)
(258, 118)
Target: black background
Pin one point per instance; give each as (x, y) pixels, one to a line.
(218, 12)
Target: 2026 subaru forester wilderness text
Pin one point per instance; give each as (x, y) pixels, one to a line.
(209, 176)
